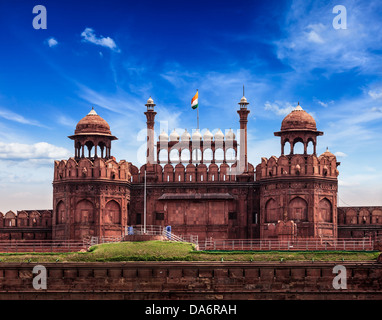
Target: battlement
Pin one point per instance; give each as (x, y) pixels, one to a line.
(86, 168)
(189, 173)
(26, 218)
(298, 165)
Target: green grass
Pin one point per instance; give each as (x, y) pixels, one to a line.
(175, 251)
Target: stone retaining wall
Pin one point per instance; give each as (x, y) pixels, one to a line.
(191, 280)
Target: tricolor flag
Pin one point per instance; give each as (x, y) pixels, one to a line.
(194, 101)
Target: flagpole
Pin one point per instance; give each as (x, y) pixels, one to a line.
(197, 125)
(197, 113)
(144, 205)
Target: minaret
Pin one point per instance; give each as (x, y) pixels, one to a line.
(150, 115)
(243, 113)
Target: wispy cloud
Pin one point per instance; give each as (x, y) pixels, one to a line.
(88, 35)
(12, 116)
(51, 42)
(280, 108)
(311, 42)
(375, 94)
(66, 121)
(340, 154)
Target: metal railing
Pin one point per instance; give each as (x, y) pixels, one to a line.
(364, 244)
(150, 230)
(42, 245)
(161, 231)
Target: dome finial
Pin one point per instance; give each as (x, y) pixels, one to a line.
(92, 112)
(298, 107)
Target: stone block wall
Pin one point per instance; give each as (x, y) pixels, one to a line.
(192, 280)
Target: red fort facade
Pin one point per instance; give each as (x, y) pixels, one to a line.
(199, 185)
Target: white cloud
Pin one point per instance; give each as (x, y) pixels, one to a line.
(313, 36)
(323, 103)
(89, 36)
(279, 110)
(52, 42)
(375, 94)
(340, 154)
(311, 41)
(40, 151)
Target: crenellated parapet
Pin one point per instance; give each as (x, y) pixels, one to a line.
(298, 165)
(190, 173)
(86, 168)
(26, 218)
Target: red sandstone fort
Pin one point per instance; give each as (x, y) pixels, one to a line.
(204, 191)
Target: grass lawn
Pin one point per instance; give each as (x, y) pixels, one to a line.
(176, 251)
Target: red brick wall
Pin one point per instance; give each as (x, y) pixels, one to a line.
(186, 280)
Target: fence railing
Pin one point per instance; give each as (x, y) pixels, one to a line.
(364, 244)
(162, 231)
(42, 245)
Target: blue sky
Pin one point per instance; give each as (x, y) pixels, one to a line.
(113, 55)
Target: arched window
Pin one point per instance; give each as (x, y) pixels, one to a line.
(174, 155)
(196, 156)
(271, 211)
(310, 147)
(89, 145)
(325, 210)
(185, 155)
(84, 212)
(219, 155)
(298, 209)
(298, 148)
(207, 155)
(112, 213)
(60, 213)
(230, 155)
(163, 156)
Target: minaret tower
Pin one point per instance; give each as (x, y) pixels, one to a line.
(150, 115)
(243, 113)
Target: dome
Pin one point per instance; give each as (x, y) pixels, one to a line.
(298, 119)
(243, 101)
(328, 154)
(174, 136)
(196, 135)
(186, 135)
(150, 103)
(208, 135)
(92, 123)
(219, 135)
(230, 135)
(163, 136)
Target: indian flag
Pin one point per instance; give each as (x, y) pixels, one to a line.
(194, 101)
